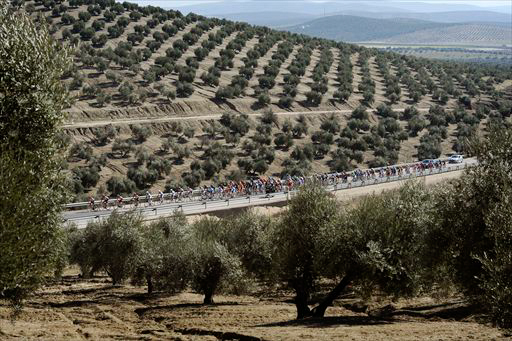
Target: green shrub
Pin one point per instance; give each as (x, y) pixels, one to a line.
(224, 92)
(98, 25)
(340, 161)
(164, 262)
(140, 133)
(124, 147)
(322, 137)
(102, 136)
(429, 148)
(214, 268)
(471, 236)
(143, 177)
(248, 235)
(415, 125)
(113, 245)
(88, 176)
(313, 97)
(263, 99)
(117, 186)
(193, 179)
(84, 16)
(81, 150)
(296, 168)
(285, 102)
(305, 153)
(341, 96)
(87, 33)
(184, 89)
(331, 125)
(32, 64)
(299, 244)
(283, 140)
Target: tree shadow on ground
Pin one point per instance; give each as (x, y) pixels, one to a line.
(89, 290)
(330, 321)
(72, 304)
(458, 310)
(141, 311)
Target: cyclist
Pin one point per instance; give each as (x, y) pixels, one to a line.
(135, 199)
(161, 197)
(92, 205)
(119, 201)
(149, 198)
(105, 202)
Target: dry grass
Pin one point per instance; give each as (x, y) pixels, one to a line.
(95, 310)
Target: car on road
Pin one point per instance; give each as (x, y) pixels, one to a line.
(456, 158)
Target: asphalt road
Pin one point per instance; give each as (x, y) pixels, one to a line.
(157, 210)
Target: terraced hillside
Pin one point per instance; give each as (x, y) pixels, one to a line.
(165, 100)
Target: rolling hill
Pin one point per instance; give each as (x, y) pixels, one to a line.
(405, 31)
(354, 29)
(283, 19)
(466, 34)
(164, 99)
(268, 18)
(481, 16)
(331, 7)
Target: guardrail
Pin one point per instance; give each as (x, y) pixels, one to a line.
(196, 195)
(202, 206)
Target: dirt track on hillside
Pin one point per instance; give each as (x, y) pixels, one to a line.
(149, 120)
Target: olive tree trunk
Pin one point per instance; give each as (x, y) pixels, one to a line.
(319, 310)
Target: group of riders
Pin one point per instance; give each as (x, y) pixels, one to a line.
(267, 185)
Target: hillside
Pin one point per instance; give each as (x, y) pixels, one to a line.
(274, 19)
(466, 34)
(283, 19)
(165, 100)
(333, 7)
(406, 31)
(442, 17)
(352, 28)
(306, 7)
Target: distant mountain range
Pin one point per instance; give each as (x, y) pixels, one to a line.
(443, 17)
(271, 19)
(329, 8)
(353, 29)
(373, 21)
(405, 31)
(284, 19)
(464, 34)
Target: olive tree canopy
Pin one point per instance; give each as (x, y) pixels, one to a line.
(31, 101)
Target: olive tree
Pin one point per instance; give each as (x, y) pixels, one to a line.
(214, 268)
(297, 238)
(164, 263)
(379, 243)
(473, 232)
(31, 101)
(113, 245)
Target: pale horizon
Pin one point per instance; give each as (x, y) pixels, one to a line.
(181, 3)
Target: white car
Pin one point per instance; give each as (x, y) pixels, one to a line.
(456, 158)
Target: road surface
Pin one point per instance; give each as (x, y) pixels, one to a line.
(349, 190)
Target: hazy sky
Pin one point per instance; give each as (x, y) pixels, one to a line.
(482, 3)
